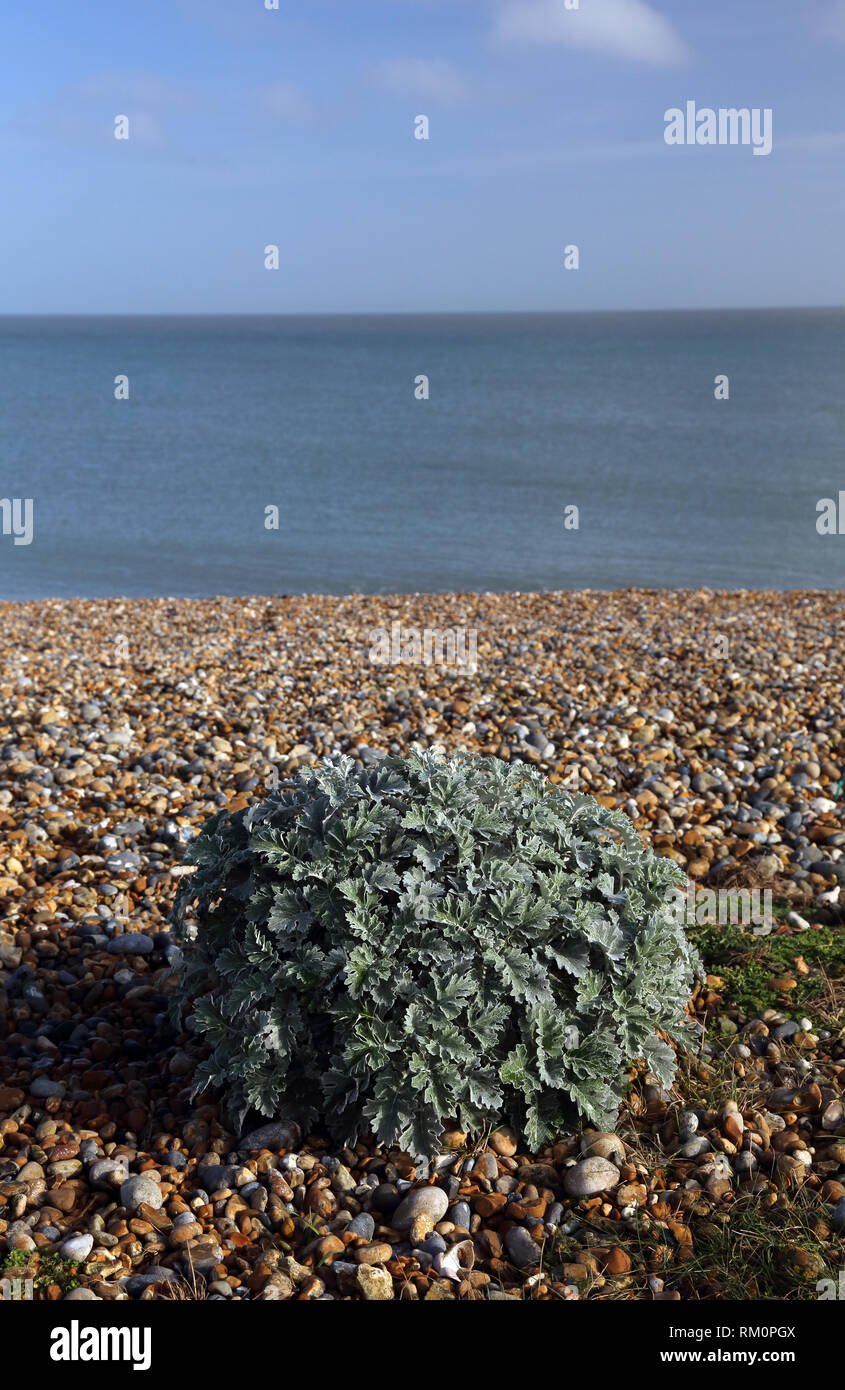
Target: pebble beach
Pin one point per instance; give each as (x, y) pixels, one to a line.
(716, 721)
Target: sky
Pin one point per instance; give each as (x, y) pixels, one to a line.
(251, 127)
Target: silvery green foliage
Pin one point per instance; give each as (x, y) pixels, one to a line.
(429, 938)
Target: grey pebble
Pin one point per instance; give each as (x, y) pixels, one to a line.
(107, 1172)
(553, 1214)
(139, 1188)
(136, 1283)
(694, 1146)
(434, 1244)
(521, 1249)
(460, 1214)
(589, 1176)
(43, 1087)
(135, 943)
(362, 1225)
(282, 1134)
(422, 1201)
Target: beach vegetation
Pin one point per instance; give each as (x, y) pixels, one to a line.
(433, 937)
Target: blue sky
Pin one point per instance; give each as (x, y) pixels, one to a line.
(295, 127)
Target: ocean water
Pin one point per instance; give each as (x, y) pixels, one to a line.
(377, 492)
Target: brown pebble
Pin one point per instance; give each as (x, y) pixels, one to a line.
(373, 1254)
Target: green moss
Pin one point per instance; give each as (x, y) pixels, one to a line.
(746, 964)
(746, 1254)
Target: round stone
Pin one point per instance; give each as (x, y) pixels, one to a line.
(487, 1167)
(433, 1245)
(42, 1087)
(833, 1116)
(139, 1188)
(600, 1145)
(281, 1134)
(386, 1199)
(461, 1215)
(362, 1225)
(156, 1274)
(521, 1249)
(422, 1201)
(132, 944)
(745, 1163)
(589, 1176)
(77, 1247)
(107, 1172)
(503, 1141)
(698, 1144)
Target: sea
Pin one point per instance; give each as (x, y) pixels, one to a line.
(422, 453)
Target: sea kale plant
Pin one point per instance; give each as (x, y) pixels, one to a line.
(426, 938)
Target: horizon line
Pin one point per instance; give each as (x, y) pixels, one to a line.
(412, 313)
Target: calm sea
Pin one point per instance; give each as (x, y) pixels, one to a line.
(378, 492)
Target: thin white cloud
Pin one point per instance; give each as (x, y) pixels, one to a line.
(425, 79)
(833, 20)
(139, 89)
(628, 29)
(284, 102)
(822, 140)
(84, 113)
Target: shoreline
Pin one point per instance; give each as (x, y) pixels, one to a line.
(628, 591)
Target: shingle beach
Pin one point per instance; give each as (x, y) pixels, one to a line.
(715, 720)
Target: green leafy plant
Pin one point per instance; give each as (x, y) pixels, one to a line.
(18, 1259)
(44, 1269)
(53, 1269)
(428, 938)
